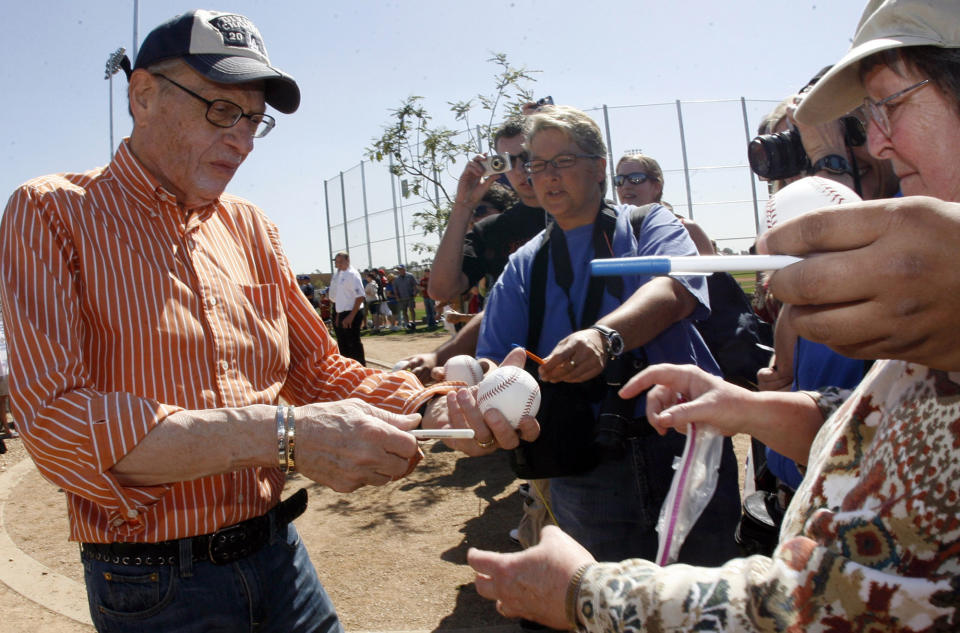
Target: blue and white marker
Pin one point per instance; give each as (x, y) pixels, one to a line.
(693, 265)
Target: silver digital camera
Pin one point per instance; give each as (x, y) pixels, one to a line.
(496, 164)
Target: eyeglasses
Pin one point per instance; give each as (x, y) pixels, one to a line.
(877, 110)
(563, 161)
(636, 178)
(223, 113)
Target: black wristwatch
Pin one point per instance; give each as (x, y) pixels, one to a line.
(612, 341)
(833, 164)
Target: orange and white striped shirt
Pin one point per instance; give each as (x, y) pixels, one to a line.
(121, 310)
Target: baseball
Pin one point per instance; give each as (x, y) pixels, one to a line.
(463, 368)
(511, 391)
(806, 195)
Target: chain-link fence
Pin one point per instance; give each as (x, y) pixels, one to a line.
(701, 146)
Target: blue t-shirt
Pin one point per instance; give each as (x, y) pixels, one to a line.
(505, 319)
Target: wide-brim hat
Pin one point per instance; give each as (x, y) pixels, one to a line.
(884, 25)
(223, 47)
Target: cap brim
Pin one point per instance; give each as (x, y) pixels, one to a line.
(280, 89)
(841, 90)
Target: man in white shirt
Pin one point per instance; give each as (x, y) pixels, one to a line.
(346, 291)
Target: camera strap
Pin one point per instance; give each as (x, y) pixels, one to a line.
(554, 246)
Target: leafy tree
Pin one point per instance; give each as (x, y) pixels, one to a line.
(421, 151)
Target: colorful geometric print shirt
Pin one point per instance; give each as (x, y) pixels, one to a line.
(122, 309)
(870, 542)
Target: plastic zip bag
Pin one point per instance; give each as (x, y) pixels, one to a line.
(691, 489)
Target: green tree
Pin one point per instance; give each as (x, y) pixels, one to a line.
(421, 151)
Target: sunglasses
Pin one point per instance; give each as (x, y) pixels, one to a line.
(636, 178)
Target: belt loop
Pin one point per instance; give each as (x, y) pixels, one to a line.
(186, 557)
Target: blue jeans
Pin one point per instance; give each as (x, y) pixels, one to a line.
(612, 510)
(429, 306)
(274, 590)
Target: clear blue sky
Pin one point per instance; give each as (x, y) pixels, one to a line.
(356, 60)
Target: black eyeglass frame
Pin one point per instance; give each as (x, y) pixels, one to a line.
(263, 122)
(541, 164)
(634, 178)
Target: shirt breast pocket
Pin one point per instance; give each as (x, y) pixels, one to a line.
(264, 326)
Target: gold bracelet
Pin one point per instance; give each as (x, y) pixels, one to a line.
(291, 425)
(281, 440)
(573, 593)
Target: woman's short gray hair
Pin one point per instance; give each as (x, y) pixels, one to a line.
(579, 127)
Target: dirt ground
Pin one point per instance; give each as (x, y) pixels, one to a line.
(392, 558)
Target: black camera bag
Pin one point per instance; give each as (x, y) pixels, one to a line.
(567, 419)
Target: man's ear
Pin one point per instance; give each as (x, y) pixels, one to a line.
(142, 94)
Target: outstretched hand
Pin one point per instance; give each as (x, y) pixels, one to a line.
(531, 584)
(681, 394)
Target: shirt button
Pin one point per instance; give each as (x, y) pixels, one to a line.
(211, 301)
(224, 365)
(132, 514)
(240, 498)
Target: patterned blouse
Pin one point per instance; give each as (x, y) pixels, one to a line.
(870, 542)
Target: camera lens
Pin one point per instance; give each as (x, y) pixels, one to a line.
(496, 163)
(777, 156)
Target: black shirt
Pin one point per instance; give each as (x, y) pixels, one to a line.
(489, 244)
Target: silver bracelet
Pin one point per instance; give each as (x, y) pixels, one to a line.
(291, 443)
(282, 460)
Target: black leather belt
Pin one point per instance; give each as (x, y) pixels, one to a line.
(224, 546)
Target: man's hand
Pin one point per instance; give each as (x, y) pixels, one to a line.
(881, 279)
(459, 410)
(531, 584)
(577, 358)
(422, 365)
(347, 321)
(348, 444)
(472, 186)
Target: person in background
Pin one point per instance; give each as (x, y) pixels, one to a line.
(469, 252)
(429, 305)
(347, 293)
(639, 181)
(871, 539)
(371, 300)
(405, 290)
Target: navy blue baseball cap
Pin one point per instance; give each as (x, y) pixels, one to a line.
(223, 47)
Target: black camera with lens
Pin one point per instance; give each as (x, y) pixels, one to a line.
(781, 155)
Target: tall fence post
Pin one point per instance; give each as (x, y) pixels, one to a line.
(343, 200)
(396, 222)
(326, 204)
(610, 165)
(753, 184)
(686, 166)
(366, 215)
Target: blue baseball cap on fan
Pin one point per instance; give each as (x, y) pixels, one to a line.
(223, 47)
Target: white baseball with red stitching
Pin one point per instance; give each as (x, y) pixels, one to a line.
(511, 391)
(463, 368)
(807, 194)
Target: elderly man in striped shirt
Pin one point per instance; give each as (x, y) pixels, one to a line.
(154, 391)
